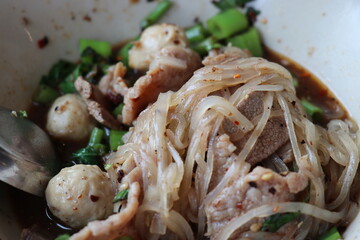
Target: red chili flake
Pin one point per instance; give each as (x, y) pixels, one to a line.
(87, 18)
(80, 196)
(236, 123)
(176, 42)
(43, 42)
(74, 208)
(239, 206)
(237, 76)
(230, 114)
(276, 209)
(94, 198)
(305, 74)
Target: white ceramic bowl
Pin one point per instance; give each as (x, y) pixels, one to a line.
(321, 35)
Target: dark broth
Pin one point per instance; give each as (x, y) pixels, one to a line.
(31, 210)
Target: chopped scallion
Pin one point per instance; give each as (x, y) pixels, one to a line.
(159, 10)
(118, 110)
(249, 40)
(101, 47)
(63, 237)
(196, 33)
(122, 195)
(107, 166)
(123, 54)
(227, 23)
(332, 234)
(226, 4)
(205, 46)
(116, 139)
(312, 110)
(96, 136)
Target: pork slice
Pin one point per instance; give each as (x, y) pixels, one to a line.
(261, 186)
(171, 68)
(224, 54)
(113, 83)
(97, 103)
(117, 225)
(223, 156)
(274, 135)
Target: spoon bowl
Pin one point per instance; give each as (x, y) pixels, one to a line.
(27, 157)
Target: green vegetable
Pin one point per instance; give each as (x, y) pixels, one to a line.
(118, 110)
(45, 94)
(107, 166)
(312, 110)
(227, 23)
(295, 82)
(332, 234)
(101, 47)
(226, 4)
(63, 237)
(155, 14)
(125, 238)
(205, 46)
(251, 14)
(196, 33)
(22, 114)
(96, 136)
(122, 195)
(57, 73)
(249, 40)
(89, 154)
(89, 57)
(116, 139)
(274, 222)
(68, 86)
(123, 54)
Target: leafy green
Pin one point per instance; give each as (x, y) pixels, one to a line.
(122, 195)
(92, 66)
(22, 114)
(57, 73)
(274, 222)
(100, 47)
(90, 154)
(45, 94)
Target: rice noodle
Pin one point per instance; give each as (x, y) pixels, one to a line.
(267, 210)
(171, 152)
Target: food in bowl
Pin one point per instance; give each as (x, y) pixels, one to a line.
(229, 152)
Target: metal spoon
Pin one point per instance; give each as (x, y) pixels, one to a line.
(27, 157)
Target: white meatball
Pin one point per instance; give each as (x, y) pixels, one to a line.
(68, 118)
(80, 194)
(152, 40)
